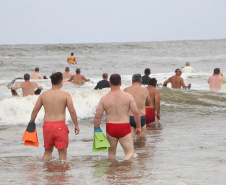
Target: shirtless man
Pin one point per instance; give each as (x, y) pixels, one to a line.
(77, 78)
(36, 74)
(216, 80)
(55, 131)
(71, 59)
(176, 81)
(117, 104)
(155, 102)
(67, 73)
(28, 87)
(141, 97)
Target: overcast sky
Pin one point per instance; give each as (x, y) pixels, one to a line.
(98, 21)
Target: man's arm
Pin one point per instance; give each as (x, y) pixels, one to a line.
(75, 61)
(183, 85)
(38, 86)
(85, 79)
(16, 87)
(135, 111)
(72, 112)
(70, 78)
(148, 99)
(97, 86)
(68, 60)
(99, 113)
(157, 103)
(36, 109)
(166, 82)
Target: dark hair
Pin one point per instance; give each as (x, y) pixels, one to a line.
(56, 78)
(177, 70)
(77, 71)
(152, 81)
(72, 54)
(36, 69)
(216, 71)
(26, 76)
(136, 78)
(67, 69)
(147, 71)
(115, 79)
(105, 75)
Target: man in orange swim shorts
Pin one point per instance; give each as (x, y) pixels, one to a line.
(155, 102)
(117, 104)
(55, 131)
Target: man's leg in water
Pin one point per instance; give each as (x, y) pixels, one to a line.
(62, 153)
(143, 131)
(127, 145)
(112, 150)
(133, 131)
(47, 154)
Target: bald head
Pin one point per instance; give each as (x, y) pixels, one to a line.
(187, 63)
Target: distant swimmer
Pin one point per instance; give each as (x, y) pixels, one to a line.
(36, 74)
(146, 78)
(116, 105)
(142, 98)
(216, 80)
(176, 81)
(77, 78)
(103, 83)
(155, 102)
(67, 74)
(71, 59)
(188, 68)
(55, 131)
(28, 87)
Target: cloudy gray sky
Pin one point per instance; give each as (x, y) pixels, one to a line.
(97, 21)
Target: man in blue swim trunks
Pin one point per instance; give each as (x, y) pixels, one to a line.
(142, 99)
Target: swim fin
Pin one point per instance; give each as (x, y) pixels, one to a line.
(30, 135)
(14, 93)
(100, 142)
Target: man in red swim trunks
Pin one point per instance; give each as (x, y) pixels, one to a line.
(55, 131)
(155, 102)
(117, 104)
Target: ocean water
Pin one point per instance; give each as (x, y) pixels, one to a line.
(187, 146)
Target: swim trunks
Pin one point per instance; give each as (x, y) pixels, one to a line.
(118, 130)
(133, 123)
(55, 133)
(150, 115)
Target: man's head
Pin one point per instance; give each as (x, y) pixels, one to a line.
(56, 78)
(26, 76)
(187, 63)
(77, 71)
(152, 81)
(105, 76)
(67, 69)
(72, 54)
(115, 79)
(216, 71)
(147, 71)
(36, 69)
(178, 71)
(136, 78)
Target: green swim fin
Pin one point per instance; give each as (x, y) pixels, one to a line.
(100, 142)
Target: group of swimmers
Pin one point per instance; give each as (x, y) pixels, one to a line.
(127, 111)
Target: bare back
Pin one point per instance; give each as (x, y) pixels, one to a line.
(116, 104)
(77, 79)
(176, 81)
(67, 75)
(215, 82)
(36, 75)
(154, 93)
(54, 102)
(28, 88)
(141, 96)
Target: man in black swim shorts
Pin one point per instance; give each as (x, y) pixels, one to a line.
(142, 99)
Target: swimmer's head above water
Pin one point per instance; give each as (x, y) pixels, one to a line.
(56, 78)
(115, 80)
